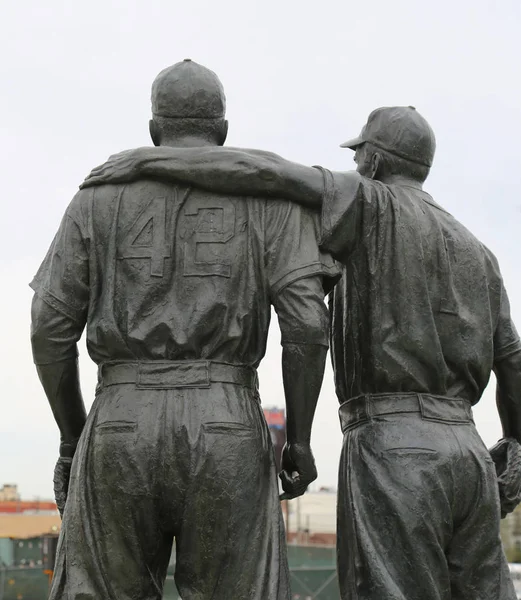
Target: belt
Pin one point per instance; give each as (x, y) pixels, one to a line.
(441, 409)
(164, 375)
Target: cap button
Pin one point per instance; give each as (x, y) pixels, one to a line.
(412, 107)
(187, 60)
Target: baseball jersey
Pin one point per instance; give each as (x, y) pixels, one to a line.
(421, 306)
(167, 272)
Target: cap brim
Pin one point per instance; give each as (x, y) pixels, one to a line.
(352, 143)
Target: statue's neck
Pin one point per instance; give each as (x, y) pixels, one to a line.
(400, 180)
(188, 142)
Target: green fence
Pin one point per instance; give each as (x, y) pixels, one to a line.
(311, 556)
(314, 583)
(23, 584)
(312, 572)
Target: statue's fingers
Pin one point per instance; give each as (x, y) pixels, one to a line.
(295, 493)
(97, 170)
(289, 480)
(92, 181)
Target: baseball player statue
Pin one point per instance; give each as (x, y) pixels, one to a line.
(174, 286)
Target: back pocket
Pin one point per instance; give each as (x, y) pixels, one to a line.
(116, 427)
(229, 428)
(411, 451)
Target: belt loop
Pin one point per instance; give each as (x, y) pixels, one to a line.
(419, 397)
(368, 402)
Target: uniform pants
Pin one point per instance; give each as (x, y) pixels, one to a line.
(418, 506)
(153, 465)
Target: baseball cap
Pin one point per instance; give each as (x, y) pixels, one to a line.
(400, 130)
(188, 90)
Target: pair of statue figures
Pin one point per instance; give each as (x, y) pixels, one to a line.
(171, 258)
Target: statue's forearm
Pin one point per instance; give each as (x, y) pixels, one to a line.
(62, 387)
(508, 394)
(235, 171)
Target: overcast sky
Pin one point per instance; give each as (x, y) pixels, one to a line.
(300, 77)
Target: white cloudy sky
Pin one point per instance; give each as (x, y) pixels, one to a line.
(301, 77)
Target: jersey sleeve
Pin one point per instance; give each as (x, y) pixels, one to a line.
(62, 281)
(506, 338)
(302, 313)
(291, 247)
(351, 207)
(53, 335)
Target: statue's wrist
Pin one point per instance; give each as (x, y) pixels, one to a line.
(68, 448)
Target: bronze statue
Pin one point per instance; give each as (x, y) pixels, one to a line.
(174, 285)
(419, 321)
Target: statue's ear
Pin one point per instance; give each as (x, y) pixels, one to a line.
(224, 133)
(376, 161)
(155, 134)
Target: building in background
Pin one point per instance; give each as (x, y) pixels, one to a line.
(23, 524)
(311, 519)
(11, 502)
(21, 538)
(9, 493)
